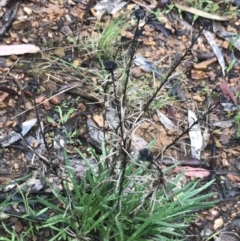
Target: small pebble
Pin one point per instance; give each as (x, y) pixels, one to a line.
(15, 166)
(218, 223)
(27, 10)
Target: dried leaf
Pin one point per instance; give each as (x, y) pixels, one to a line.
(187, 161)
(109, 6)
(167, 123)
(80, 167)
(3, 3)
(138, 142)
(226, 91)
(94, 132)
(6, 50)
(223, 124)
(204, 64)
(2, 105)
(236, 2)
(200, 13)
(216, 49)
(176, 90)
(3, 215)
(171, 114)
(3, 96)
(112, 118)
(9, 90)
(193, 171)
(99, 120)
(21, 24)
(218, 223)
(56, 100)
(233, 178)
(195, 135)
(39, 99)
(206, 137)
(229, 236)
(156, 24)
(146, 65)
(13, 136)
(232, 38)
(32, 185)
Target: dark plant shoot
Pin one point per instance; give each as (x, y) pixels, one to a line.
(145, 155)
(110, 66)
(140, 14)
(17, 128)
(33, 86)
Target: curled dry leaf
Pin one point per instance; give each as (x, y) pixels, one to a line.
(226, 91)
(193, 171)
(167, 123)
(6, 50)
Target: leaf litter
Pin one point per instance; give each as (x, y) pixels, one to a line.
(58, 63)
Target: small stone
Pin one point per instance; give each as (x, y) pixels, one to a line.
(11, 103)
(25, 40)
(198, 98)
(99, 120)
(39, 99)
(204, 65)
(3, 96)
(9, 123)
(225, 163)
(215, 212)
(148, 54)
(47, 105)
(27, 10)
(15, 166)
(225, 44)
(35, 144)
(224, 155)
(17, 25)
(198, 75)
(81, 106)
(56, 100)
(66, 30)
(68, 18)
(149, 43)
(200, 66)
(218, 223)
(2, 105)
